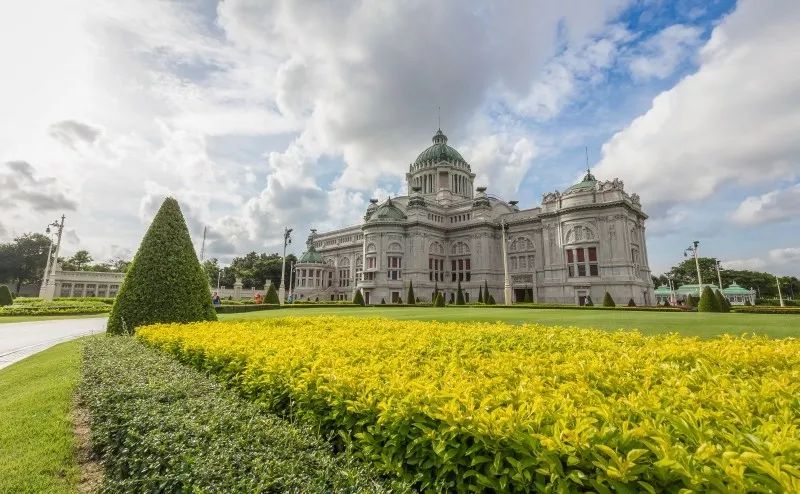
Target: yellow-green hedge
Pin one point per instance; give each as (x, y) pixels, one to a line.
(470, 406)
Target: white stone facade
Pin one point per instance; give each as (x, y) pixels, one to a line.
(86, 283)
(583, 242)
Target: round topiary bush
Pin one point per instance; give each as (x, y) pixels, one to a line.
(5, 296)
(165, 282)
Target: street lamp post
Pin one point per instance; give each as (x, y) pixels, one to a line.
(695, 250)
(286, 241)
(780, 296)
(47, 290)
(506, 282)
(291, 281)
(719, 278)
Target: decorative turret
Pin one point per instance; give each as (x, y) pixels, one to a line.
(441, 170)
(416, 199)
(387, 213)
(311, 256)
(373, 205)
(481, 200)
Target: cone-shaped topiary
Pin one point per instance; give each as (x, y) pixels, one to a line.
(460, 295)
(690, 302)
(722, 301)
(480, 294)
(5, 296)
(491, 300)
(383, 301)
(631, 303)
(708, 301)
(438, 301)
(165, 282)
(528, 296)
(589, 302)
(608, 301)
(358, 299)
(410, 297)
(272, 295)
(399, 300)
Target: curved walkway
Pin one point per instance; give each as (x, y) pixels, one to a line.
(21, 339)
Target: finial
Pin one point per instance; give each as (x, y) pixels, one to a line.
(588, 170)
(440, 118)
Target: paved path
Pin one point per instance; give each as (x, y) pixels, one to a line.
(20, 339)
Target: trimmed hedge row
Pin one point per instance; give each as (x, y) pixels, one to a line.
(159, 426)
(235, 309)
(756, 309)
(54, 309)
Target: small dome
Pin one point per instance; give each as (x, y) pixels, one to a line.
(387, 212)
(311, 256)
(588, 183)
(439, 151)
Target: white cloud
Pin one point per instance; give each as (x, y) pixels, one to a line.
(783, 261)
(735, 120)
(777, 205)
(659, 56)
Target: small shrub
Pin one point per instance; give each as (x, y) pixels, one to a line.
(528, 296)
(589, 302)
(460, 295)
(708, 301)
(410, 295)
(747, 303)
(631, 303)
(358, 298)
(491, 300)
(383, 301)
(272, 295)
(5, 296)
(439, 300)
(608, 301)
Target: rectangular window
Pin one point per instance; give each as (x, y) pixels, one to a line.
(570, 257)
(580, 255)
(65, 288)
(581, 270)
(593, 270)
(395, 265)
(592, 254)
(371, 262)
(580, 262)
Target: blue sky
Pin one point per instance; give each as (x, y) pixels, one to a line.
(257, 115)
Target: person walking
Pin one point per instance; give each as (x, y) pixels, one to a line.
(215, 300)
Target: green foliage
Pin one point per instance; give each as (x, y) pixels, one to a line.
(272, 295)
(589, 301)
(24, 259)
(5, 296)
(747, 303)
(161, 426)
(608, 301)
(39, 307)
(358, 298)
(708, 301)
(452, 298)
(758, 309)
(410, 296)
(631, 303)
(439, 300)
(666, 303)
(165, 282)
(491, 300)
(383, 301)
(722, 301)
(460, 295)
(480, 294)
(256, 270)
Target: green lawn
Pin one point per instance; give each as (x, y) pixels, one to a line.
(687, 323)
(36, 435)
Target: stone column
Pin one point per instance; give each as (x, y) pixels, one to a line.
(237, 288)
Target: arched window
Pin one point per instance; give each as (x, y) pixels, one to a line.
(394, 247)
(521, 254)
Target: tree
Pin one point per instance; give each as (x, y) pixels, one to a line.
(459, 295)
(480, 294)
(358, 298)
(631, 303)
(410, 297)
(528, 298)
(79, 261)
(438, 301)
(708, 301)
(491, 300)
(272, 295)
(5, 296)
(165, 282)
(24, 259)
(383, 301)
(399, 300)
(608, 301)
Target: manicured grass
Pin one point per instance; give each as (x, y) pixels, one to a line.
(36, 435)
(5, 319)
(686, 323)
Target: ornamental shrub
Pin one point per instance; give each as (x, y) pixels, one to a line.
(452, 298)
(722, 301)
(589, 302)
(480, 294)
(528, 299)
(272, 295)
(439, 300)
(459, 295)
(383, 301)
(5, 296)
(608, 301)
(161, 426)
(358, 298)
(631, 303)
(708, 301)
(410, 296)
(666, 303)
(165, 282)
(399, 300)
(747, 303)
(491, 300)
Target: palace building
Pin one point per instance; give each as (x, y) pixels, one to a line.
(579, 243)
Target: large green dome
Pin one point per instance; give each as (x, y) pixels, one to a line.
(311, 256)
(588, 183)
(439, 151)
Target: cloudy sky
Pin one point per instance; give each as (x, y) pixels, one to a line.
(257, 114)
